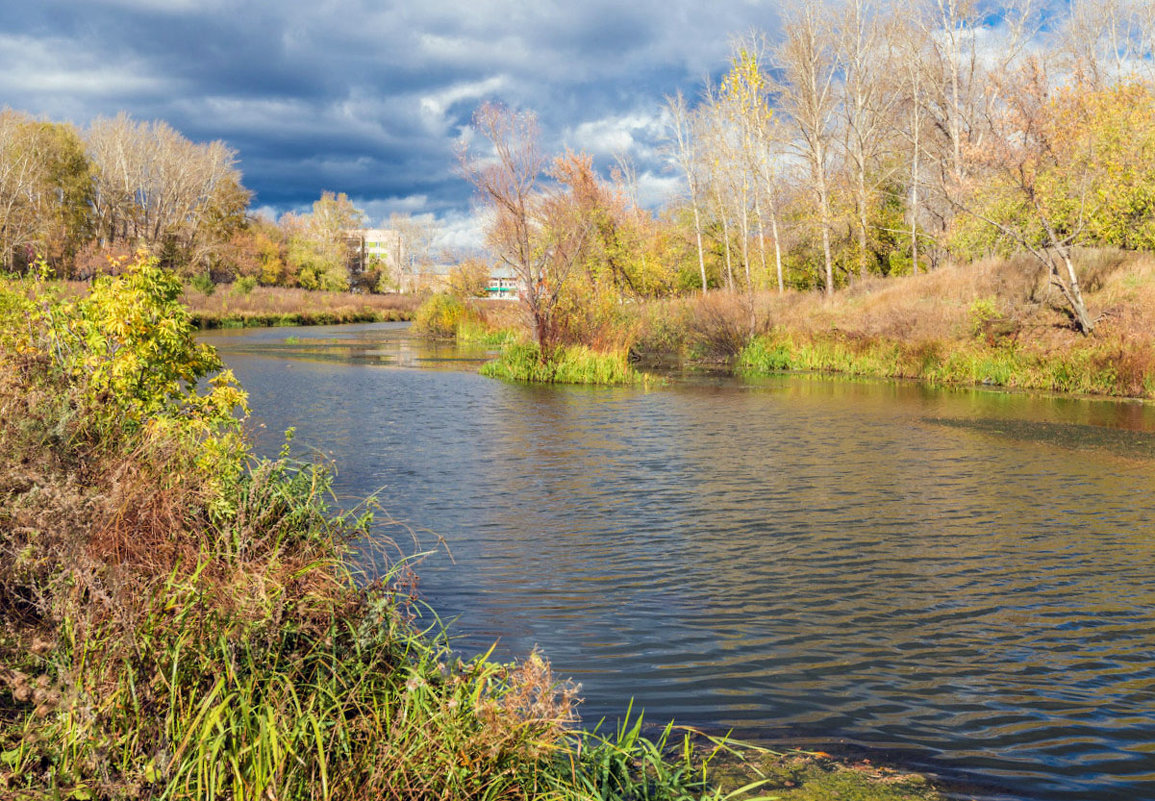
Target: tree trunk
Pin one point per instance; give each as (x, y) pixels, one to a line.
(698, 235)
(777, 250)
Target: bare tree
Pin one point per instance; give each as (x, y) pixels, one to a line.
(719, 158)
(153, 187)
(685, 154)
(808, 95)
(1105, 41)
(529, 232)
(411, 245)
(869, 99)
(908, 48)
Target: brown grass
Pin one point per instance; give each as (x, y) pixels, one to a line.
(263, 305)
(938, 306)
(275, 305)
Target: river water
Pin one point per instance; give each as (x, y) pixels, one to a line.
(960, 581)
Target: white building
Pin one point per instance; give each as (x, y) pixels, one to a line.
(382, 246)
(503, 283)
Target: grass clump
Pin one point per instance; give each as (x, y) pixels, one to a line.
(815, 776)
(575, 364)
(483, 332)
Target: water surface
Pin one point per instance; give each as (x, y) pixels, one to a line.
(963, 579)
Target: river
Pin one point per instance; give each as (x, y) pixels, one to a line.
(962, 581)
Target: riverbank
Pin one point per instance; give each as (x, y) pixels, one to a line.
(227, 307)
(994, 323)
(184, 620)
(239, 306)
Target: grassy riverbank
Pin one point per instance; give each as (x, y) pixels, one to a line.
(238, 306)
(227, 307)
(994, 323)
(183, 620)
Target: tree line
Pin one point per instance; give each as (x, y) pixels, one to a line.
(869, 138)
(87, 200)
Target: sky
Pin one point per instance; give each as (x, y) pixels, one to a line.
(368, 97)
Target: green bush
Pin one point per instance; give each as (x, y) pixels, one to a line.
(244, 285)
(203, 283)
(765, 355)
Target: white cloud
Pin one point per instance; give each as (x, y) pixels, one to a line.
(461, 233)
(52, 76)
(657, 190)
(634, 133)
(434, 106)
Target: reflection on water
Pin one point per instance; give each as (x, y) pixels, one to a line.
(963, 577)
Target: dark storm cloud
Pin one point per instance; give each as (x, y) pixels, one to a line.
(365, 97)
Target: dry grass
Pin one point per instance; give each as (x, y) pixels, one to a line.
(277, 306)
(938, 306)
(227, 306)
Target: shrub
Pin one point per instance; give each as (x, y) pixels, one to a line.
(244, 285)
(203, 283)
(719, 327)
(439, 316)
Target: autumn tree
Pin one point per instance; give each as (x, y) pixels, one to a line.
(530, 230)
(869, 98)
(1066, 168)
(45, 188)
(684, 153)
(319, 249)
(156, 189)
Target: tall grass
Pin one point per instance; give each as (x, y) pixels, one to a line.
(566, 365)
(446, 316)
